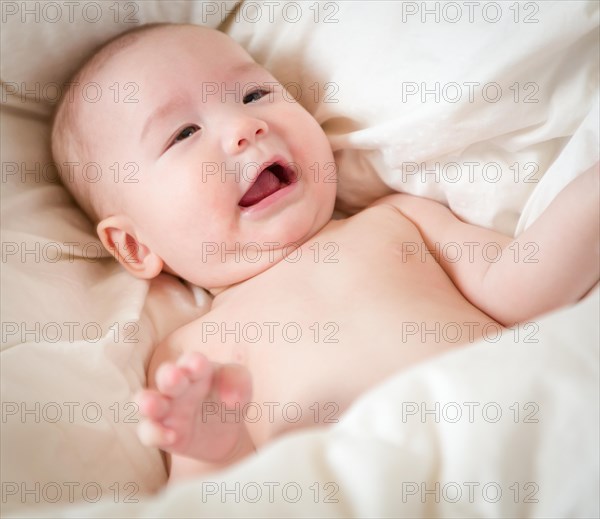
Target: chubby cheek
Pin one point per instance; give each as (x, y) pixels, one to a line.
(196, 256)
(310, 146)
(175, 222)
(319, 170)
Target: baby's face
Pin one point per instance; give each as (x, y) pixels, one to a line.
(208, 123)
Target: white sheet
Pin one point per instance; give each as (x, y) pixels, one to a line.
(498, 429)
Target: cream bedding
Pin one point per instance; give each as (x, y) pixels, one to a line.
(77, 332)
(504, 429)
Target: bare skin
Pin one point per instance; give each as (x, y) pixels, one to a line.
(411, 311)
(330, 374)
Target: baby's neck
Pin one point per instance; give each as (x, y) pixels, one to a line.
(219, 291)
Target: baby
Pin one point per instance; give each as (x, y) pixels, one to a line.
(234, 191)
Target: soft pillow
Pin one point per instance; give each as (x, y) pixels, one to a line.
(467, 105)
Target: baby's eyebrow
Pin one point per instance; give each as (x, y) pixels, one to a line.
(247, 66)
(163, 110)
(160, 113)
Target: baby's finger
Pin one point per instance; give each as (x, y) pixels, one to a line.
(196, 364)
(171, 380)
(154, 434)
(152, 404)
(233, 384)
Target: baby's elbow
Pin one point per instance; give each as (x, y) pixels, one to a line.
(525, 310)
(508, 305)
(506, 317)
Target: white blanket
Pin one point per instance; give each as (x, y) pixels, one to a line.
(500, 429)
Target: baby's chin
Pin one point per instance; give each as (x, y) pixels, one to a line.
(226, 265)
(235, 273)
(239, 263)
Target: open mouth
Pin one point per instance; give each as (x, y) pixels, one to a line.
(269, 181)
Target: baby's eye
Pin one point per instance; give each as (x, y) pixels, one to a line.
(255, 95)
(188, 131)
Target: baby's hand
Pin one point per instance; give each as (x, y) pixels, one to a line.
(196, 410)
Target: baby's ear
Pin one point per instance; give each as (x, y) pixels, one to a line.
(119, 238)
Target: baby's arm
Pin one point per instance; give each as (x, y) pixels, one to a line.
(553, 263)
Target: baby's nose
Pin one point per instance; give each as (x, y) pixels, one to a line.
(243, 133)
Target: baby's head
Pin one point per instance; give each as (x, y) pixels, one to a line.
(183, 132)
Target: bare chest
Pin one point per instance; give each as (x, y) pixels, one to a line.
(368, 276)
(336, 317)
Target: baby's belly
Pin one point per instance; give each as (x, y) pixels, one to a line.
(317, 332)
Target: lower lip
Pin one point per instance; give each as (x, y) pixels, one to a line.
(270, 201)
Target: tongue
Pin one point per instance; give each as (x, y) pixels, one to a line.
(265, 185)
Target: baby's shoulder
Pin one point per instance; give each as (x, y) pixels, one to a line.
(382, 211)
(371, 228)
